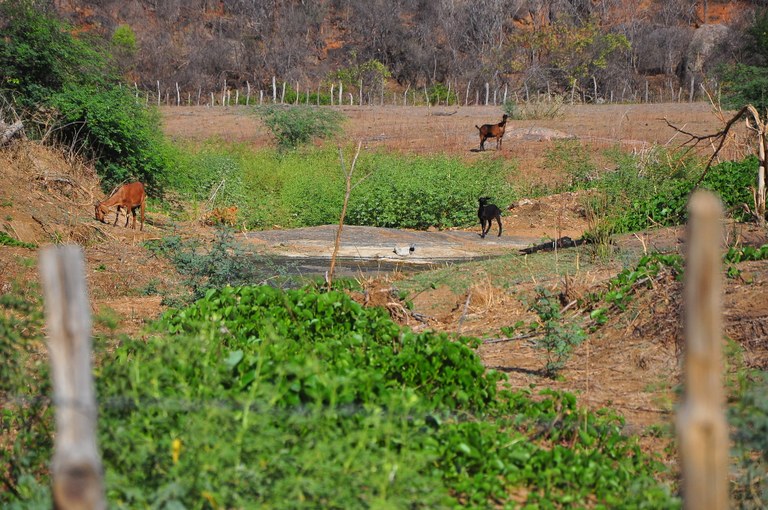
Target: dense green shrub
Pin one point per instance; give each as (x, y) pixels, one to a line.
(748, 415)
(629, 199)
(306, 187)
(26, 417)
(747, 81)
(39, 55)
(297, 125)
(43, 66)
(109, 124)
(301, 399)
(419, 193)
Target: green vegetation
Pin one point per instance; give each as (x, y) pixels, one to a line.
(8, 240)
(540, 107)
(559, 336)
(747, 82)
(224, 262)
(326, 403)
(293, 126)
(748, 415)
(653, 191)
(255, 396)
(26, 418)
(306, 187)
(44, 66)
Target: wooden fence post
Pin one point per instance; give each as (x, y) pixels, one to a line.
(76, 467)
(701, 424)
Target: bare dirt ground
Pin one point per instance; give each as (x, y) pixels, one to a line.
(630, 364)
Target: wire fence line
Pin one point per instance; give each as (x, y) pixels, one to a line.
(469, 94)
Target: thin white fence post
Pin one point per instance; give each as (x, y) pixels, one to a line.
(274, 90)
(693, 83)
(487, 92)
(594, 82)
(76, 467)
(282, 95)
(178, 95)
(247, 93)
(701, 425)
(332, 88)
(341, 95)
(466, 94)
(158, 93)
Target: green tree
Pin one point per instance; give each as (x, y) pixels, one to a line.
(43, 65)
(747, 82)
(297, 125)
(124, 47)
(39, 55)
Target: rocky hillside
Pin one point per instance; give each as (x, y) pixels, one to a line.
(615, 46)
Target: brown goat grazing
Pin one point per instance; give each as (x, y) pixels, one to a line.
(128, 197)
(487, 213)
(492, 131)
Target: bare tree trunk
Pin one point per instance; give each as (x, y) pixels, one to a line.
(76, 466)
(702, 428)
(347, 193)
(760, 129)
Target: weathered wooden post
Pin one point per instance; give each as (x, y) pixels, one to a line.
(76, 467)
(701, 424)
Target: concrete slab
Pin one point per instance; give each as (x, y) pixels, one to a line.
(372, 243)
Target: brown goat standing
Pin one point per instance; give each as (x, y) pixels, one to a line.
(128, 197)
(492, 131)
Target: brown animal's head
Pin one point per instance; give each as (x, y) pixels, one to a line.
(100, 212)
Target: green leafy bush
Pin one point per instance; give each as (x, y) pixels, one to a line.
(223, 262)
(571, 158)
(425, 192)
(256, 397)
(301, 399)
(746, 82)
(39, 55)
(44, 66)
(26, 417)
(748, 415)
(559, 336)
(109, 124)
(298, 125)
(634, 196)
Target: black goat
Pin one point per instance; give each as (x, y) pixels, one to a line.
(487, 213)
(492, 131)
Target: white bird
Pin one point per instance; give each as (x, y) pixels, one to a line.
(404, 251)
